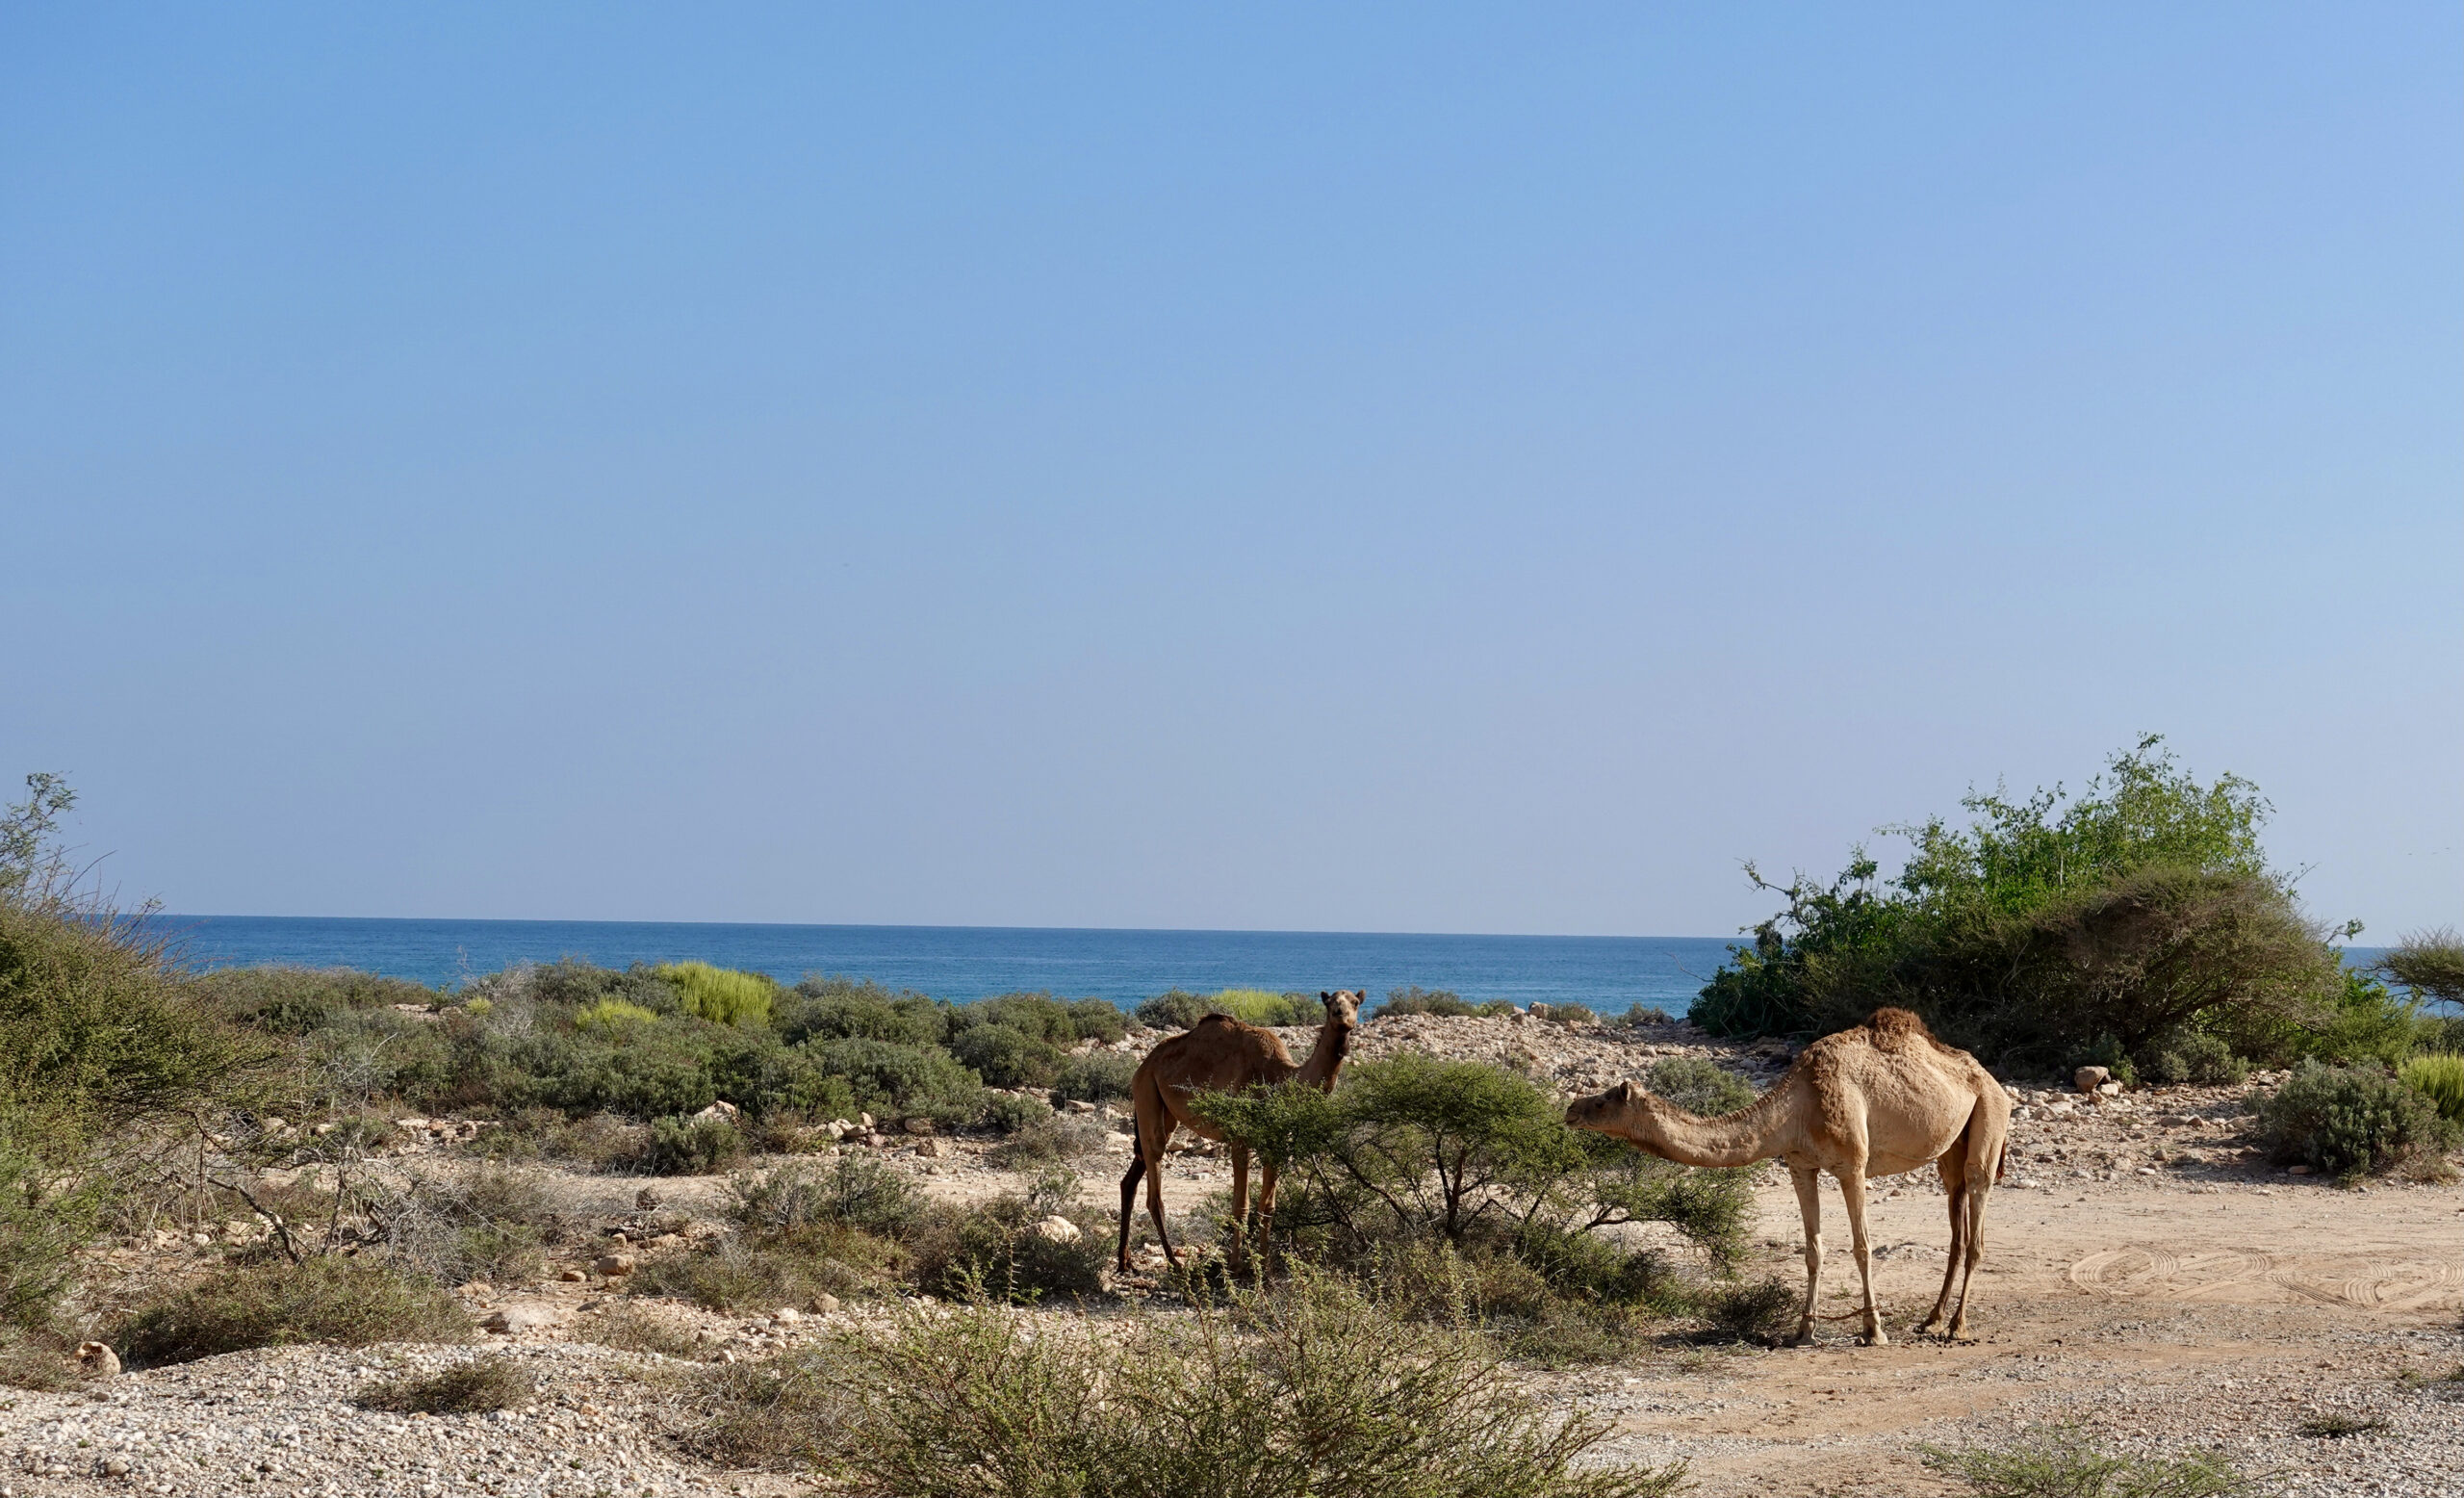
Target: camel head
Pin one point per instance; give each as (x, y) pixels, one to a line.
(1605, 1113)
(1343, 1007)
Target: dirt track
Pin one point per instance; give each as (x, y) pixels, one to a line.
(2161, 1316)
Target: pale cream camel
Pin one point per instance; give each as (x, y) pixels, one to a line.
(1220, 1054)
(1875, 1100)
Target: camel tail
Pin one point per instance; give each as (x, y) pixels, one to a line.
(2002, 1164)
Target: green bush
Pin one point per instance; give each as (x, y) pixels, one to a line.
(1314, 1389)
(1761, 1310)
(722, 995)
(854, 1191)
(766, 1273)
(832, 1009)
(2430, 964)
(476, 1387)
(2440, 1080)
(1177, 1010)
(905, 1081)
(1418, 1000)
(2350, 1121)
(612, 1014)
(1004, 1057)
(692, 1146)
(1571, 1013)
(1097, 1076)
(994, 1248)
(1700, 1085)
(1007, 1113)
(291, 1001)
(274, 1304)
(2138, 909)
(2196, 1057)
(1044, 1018)
(1415, 1149)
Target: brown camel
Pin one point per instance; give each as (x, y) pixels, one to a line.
(1220, 1054)
(1875, 1100)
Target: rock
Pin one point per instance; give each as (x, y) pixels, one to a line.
(786, 1315)
(917, 1125)
(935, 1148)
(411, 1123)
(719, 1111)
(2297, 1169)
(2108, 1089)
(97, 1360)
(113, 1466)
(645, 1199)
(614, 1265)
(511, 1319)
(1057, 1230)
(2089, 1078)
(825, 1303)
(1080, 1105)
(868, 1121)
(573, 1276)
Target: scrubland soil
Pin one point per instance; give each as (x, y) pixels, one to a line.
(2148, 1279)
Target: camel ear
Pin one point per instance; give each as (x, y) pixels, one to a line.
(1325, 997)
(1625, 1092)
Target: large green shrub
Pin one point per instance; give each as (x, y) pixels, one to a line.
(2140, 908)
(2350, 1121)
(905, 1081)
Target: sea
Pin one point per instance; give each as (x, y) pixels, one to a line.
(1610, 974)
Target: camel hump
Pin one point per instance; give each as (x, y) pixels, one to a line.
(1896, 1029)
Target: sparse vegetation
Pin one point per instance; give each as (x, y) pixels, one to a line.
(1178, 1011)
(2439, 1078)
(474, 1388)
(1418, 1000)
(1311, 1389)
(273, 1304)
(2337, 1425)
(1098, 1076)
(2064, 1465)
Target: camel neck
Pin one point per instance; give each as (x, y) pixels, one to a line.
(1738, 1138)
(1327, 1057)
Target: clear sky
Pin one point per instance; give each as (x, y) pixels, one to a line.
(1405, 468)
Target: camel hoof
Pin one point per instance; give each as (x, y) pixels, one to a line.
(1876, 1338)
(1804, 1336)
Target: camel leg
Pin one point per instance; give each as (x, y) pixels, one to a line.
(1266, 1206)
(1852, 1192)
(1129, 1201)
(1808, 1186)
(1954, 1168)
(1154, 1153)
(1241, 1187)
(1980, 1188)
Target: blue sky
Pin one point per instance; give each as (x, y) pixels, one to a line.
(1386, 469)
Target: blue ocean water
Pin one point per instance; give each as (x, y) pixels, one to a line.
(963, 963)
